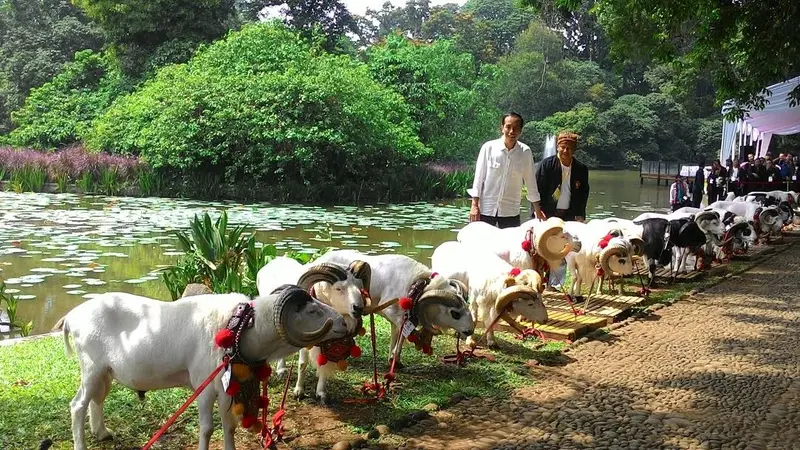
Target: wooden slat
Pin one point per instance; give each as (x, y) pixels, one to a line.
(608, 307)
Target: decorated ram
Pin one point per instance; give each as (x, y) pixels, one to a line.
(431, 302)
(496, 288)
(148, 344)
(335, 285)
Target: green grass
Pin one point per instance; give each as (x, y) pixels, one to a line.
(37, 383)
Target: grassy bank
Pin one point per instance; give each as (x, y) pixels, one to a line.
(37, 382)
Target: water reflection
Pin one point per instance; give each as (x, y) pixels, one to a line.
(56, 250)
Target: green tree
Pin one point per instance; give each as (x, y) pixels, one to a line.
(137, 28)
(36, 39)
(743, 45)
(61, 111)
(446, 95)
(329, 17)
(265, 108)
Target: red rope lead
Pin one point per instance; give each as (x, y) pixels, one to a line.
(186, 404)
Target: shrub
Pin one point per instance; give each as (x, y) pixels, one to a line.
(264, 107)
(60, 112)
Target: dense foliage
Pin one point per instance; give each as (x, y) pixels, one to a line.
(322, 104)
(280, 110)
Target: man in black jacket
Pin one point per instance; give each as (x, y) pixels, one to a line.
(563, 182)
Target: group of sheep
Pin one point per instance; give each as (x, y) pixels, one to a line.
(486, 274)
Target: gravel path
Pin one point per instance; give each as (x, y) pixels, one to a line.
(718, 371)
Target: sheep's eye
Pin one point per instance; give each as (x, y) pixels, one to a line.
(621, 261)
(455, 314)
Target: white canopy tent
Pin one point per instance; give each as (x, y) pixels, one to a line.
(758, 126)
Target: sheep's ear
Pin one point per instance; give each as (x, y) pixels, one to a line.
(510, 281)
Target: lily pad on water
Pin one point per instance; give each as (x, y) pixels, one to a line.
(45, 270)
(423, 246)
(389, 244)
(135, 281)
(91, 296)
(56, 259)
(71, 286)
(13, 281)
(93, 282)
(76, 292)
(26, 297)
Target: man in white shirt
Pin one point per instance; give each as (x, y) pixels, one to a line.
(503, 166)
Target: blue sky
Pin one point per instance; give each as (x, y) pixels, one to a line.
(360, 6)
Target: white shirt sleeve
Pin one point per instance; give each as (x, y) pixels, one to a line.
(529, 178)
(480, 174)
(673, 193)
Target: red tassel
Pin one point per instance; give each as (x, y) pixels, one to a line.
(515, 272)
(434, 274)
(263, 402)
(224, 338)
(248, 421)
(263, 372)
(389, 377)
(322, 360)
(406, 303)
(605, 240)
(355, 351)
(426, 349)
(413, 338)
(233, 388)
(600, 272)
(527, 245)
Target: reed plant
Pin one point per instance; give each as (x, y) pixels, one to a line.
(14, 323)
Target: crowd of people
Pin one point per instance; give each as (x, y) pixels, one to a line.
(749, 174)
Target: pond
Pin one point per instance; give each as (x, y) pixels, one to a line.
(57, 250)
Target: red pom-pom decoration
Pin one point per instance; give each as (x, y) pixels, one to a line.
(426, 349)
(413, 338)
(224, 338)
(527, 245)
(600, 272)
(514, 272)
(434, 274)
(233, 388)
(389, 377)
(248, 421)
(263, 402)
(263, 372)
(406, 303)
(605, 240)
(355, 351)
(322, 360)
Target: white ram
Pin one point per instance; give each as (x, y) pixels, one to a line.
(393, 276)
(333, 284)
(528, 246)
(494, 288)
(613, 256)
(147, 344)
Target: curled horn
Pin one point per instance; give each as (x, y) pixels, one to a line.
(461, 288)
(512, 293)
(362, 271)
(706, 215)
(553, 228)
(440, 297)
(770, 214)
(321, 272)
(290, 300)
(638, 245)
(615, 249)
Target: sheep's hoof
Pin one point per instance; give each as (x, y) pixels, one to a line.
(104, 435)
(282, 372)
(397, 366)
(322, 399)
(299, 394)
(493, 346)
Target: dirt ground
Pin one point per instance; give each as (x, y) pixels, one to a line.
(718, 371)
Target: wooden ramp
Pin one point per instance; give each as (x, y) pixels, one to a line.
(601, 311)
(606, 306)
(663, 273)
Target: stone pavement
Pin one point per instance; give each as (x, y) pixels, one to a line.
(718, 371)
